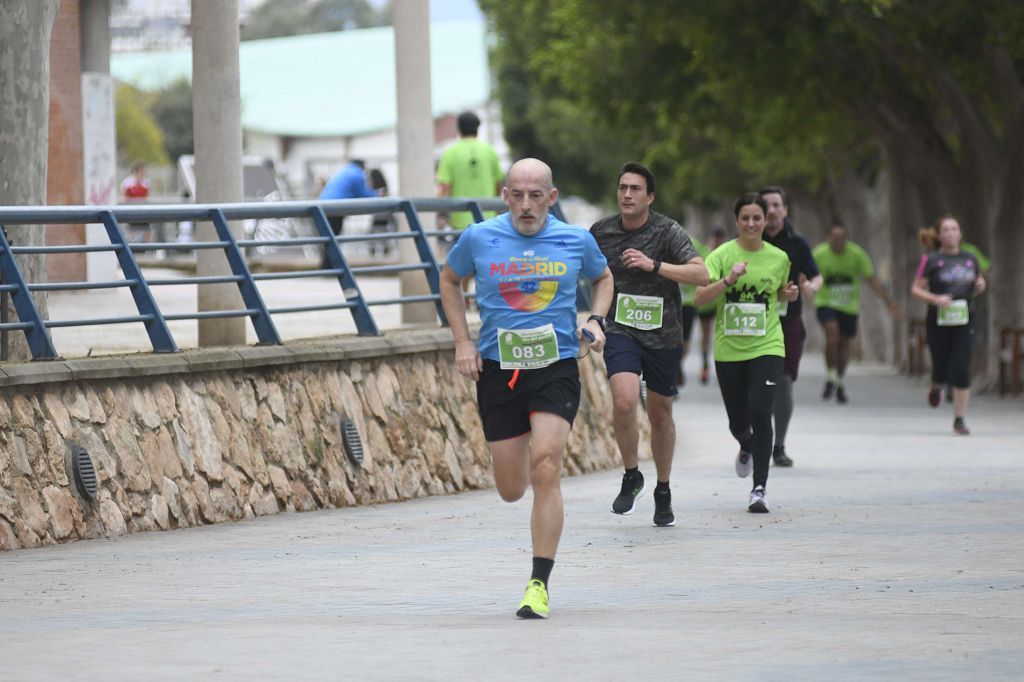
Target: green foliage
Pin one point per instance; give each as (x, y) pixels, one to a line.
(139, 137)
(277, 18)
(172, 109)
(723, 96)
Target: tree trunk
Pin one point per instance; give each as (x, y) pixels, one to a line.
(24, 117)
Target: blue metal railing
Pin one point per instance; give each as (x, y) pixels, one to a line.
(31, 322)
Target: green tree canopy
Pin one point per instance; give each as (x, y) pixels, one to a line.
(720, 97)
(139, 137)
(277, 18)
(172, 109)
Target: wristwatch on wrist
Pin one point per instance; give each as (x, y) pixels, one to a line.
(601, 322)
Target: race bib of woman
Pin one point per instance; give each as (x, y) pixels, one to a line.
(745, 319)
(527, 348)
(953, 315)
(639, 312)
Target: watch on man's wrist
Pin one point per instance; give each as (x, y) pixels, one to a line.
(601, 322)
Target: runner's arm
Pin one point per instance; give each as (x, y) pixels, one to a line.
(602, 289)
(919, 290)
(877, 287)
(467, 358)
(708, 293)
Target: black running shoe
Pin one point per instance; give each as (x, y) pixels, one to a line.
(960, 427)
(830, 388)
(841, 395)
(934, 396)
(632, 488)
(663, 515)
(780, 456)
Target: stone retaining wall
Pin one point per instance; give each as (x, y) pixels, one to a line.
(219, 435)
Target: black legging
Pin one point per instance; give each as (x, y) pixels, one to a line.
(748, 391)
(951, 349)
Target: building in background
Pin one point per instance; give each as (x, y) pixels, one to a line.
(311, 102)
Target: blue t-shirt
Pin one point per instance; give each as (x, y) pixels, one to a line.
(348, 183)
(526, 282)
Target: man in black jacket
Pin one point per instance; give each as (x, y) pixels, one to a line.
(803, 271)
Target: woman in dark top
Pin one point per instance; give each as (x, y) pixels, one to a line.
(947, 280)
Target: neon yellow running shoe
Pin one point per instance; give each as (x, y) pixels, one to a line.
(535, 602)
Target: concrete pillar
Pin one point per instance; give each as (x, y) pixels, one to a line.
(99, 138)
(217, 132)
(415, 133)
(94, 26)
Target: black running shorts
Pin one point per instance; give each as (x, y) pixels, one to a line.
(505, 411)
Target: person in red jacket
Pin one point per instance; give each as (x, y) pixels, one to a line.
(135, 189)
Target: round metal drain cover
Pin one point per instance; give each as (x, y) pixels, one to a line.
(85, 473)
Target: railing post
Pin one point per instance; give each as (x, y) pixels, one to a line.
(266, 332)
(156, 326)
(433, 273)
(349, 289)
(39, 343)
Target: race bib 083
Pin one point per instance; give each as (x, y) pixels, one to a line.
(527, 348)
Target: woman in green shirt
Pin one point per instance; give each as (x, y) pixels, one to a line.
(748, 277)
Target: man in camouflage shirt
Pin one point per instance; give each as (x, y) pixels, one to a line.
(649, 255)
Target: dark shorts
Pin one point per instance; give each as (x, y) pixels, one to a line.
(658, 366)
(689, 314)
(707, 314)
(795, 334)
(505, 412)
(847, 322)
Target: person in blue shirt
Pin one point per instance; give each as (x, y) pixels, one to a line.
(526, 264)
(347, 183)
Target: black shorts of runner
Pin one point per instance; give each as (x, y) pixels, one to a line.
(706, 314)
(847, 322)
(689, 314)
(658, 366)
(505, 410)
(794, 332)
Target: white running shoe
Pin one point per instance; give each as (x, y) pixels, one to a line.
(744, 464)
(758, 505)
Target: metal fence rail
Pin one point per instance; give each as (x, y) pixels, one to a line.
(31, 322)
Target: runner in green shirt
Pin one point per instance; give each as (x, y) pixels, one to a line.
(843, 265)
(748, 277)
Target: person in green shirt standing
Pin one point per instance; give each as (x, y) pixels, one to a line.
(748, 278)
(843, 264)
(468, 168)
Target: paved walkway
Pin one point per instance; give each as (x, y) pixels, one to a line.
(893, 551)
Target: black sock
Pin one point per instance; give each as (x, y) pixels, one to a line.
(542, 569)
(662, 487)
(634, 472)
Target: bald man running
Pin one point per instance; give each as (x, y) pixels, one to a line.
(526, 264)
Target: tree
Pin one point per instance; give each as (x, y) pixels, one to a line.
(172, 109)
(24, 125)
(277, 18)
(819, 94)
(139, 137)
